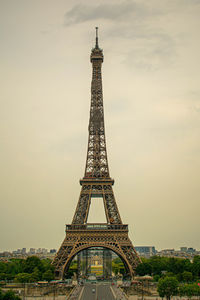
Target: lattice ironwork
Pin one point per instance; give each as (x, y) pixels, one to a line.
(96, 183)
(103, 190)
(115, 240)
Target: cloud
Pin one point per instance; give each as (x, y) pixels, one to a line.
(125, 10)
(147, 45)
(113, 12)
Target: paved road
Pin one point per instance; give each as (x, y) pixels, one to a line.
(97, 292)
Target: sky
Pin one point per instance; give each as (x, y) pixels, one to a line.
(151, 74)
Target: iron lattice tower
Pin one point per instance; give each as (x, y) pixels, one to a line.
(96, 182)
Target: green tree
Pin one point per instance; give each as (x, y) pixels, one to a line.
(189, 290)
(14, 267)
(47, 264)
(176, 265)
(187, 276)
(167, 287)
(181, 290)
(196, 266)
(31, 263)
(32, 266)
(158, 264)
(36, 275)
(118, 266)
(3, 276)
(197, 289)
(48, 275)
(23, 277)
(144, 269)
(3, 267)
(169, 274)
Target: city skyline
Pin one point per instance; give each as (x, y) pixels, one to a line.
(136, 246)
(152, 108)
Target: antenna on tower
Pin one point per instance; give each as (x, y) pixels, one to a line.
(97, 44)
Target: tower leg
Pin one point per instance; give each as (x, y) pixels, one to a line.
(78, 265)
(107, 263)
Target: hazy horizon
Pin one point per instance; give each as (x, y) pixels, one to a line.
(28, 249)
(152, 116)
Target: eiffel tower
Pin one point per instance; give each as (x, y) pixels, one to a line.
(81, 235)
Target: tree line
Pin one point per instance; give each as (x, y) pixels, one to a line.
(31, 269)
(183, 270)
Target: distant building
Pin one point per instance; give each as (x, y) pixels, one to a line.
(41, 251)
(183, 249)
(96, 260)
(184, 252)
(19, 252)
(23, 251)
(32, 251)
(191, 250)
(52, 251)
(146, 251)
(6, 254)
(168, 251)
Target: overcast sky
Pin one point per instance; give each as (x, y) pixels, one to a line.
(151, 74)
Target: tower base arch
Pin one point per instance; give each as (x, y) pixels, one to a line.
(114, 239)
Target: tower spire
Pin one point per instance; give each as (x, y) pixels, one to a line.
(97, 42)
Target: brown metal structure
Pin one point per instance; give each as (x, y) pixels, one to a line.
(96, 182)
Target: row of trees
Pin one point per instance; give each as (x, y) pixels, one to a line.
(31, 269)
(169, 286)
(183, 269)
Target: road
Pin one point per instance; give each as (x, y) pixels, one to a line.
(97, 292)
